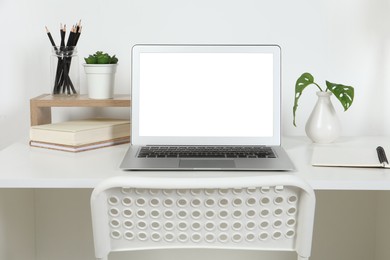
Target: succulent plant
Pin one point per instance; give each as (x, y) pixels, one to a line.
(101, 58)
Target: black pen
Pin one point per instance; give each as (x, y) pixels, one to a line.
(382, 155)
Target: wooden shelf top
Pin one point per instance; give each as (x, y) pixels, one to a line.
(48, 100)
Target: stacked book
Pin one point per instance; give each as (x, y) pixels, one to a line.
(81, 135)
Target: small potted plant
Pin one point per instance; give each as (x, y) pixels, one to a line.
(323, 125)
(100, 69)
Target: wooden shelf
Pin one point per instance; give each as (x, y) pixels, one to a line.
(40, 107)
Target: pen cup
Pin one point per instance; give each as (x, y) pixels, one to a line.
(65, 75)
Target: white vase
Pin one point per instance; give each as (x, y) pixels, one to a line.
(100, 80)
(323, 125)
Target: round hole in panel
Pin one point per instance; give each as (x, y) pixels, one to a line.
(223, 191)
(182, 202)
(115, 234)
(196, 202)
(292, 199)
(278, 200)
(155, 213)
(291, 222)
(155, 225)
(196, 237)
(277, 223)
(263, 236)
(209, 202)
(250, 237)
(181, 192)
(127, 190)
(223, 214)
(141, 213)
(114, 212)
(237, 191)
(264, 189)
(154, 202)
(210, 214)
(290, 234)
(153, 192)
(182, 214)
(251, 213)
(141, 225)
(155, 236)
(210, 237)
(237, 202)
(251, 202)
(128, 224)
(251, 190)
(209, 226)
(168, 202)
(223, 202)
(113, 200)
(264, 213)
(140, 191)
(276, 235)
(142, 236)
(182, 225)
(237, 238)
(279, 188)
(196, 226)
(250, 225)
(264, 224)
(196, 214)
(140, 202)
(129, 235)
(127, 213)
(237, 225)
(114, 223)
(223, 226)
(196, 192)
(167, 192)
(292, 211)
(237, 213)
(183, 237)
(126, 201)
(209, 191)
(223, 237)
(264, 201)
(168, 214)
(169, 237)
(169, 225)
(278, 212)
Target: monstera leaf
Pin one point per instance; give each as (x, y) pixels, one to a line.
(343, 93)
(303, 81)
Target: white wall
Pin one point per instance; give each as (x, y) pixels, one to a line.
(341, 41)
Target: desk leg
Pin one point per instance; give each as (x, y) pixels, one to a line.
(39, 115)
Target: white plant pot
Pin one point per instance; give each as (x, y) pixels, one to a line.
(100, 80)
(323, 125)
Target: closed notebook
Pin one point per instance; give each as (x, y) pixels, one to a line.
(80, 132)
(348, 157)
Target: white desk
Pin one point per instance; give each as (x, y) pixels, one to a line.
(44, 203)
(22, 166)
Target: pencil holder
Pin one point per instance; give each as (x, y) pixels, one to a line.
(65, 75)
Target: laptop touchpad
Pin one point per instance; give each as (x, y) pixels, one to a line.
(206, 164)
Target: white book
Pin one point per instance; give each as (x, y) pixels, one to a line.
(349, 157)
(81, 132)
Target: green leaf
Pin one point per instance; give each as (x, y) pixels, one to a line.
(302, 82)
(344, 94)
(103, 59)
(90, 60)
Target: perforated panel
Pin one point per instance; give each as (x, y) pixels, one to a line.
(228, 218)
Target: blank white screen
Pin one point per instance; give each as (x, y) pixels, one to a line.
(206, 94)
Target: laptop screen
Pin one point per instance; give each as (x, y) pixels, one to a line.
(222, 95)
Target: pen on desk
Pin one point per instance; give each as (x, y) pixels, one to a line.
(382, 155)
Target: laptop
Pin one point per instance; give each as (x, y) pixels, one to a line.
(206, 107)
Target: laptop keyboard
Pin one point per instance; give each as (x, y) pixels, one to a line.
(205, 152)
